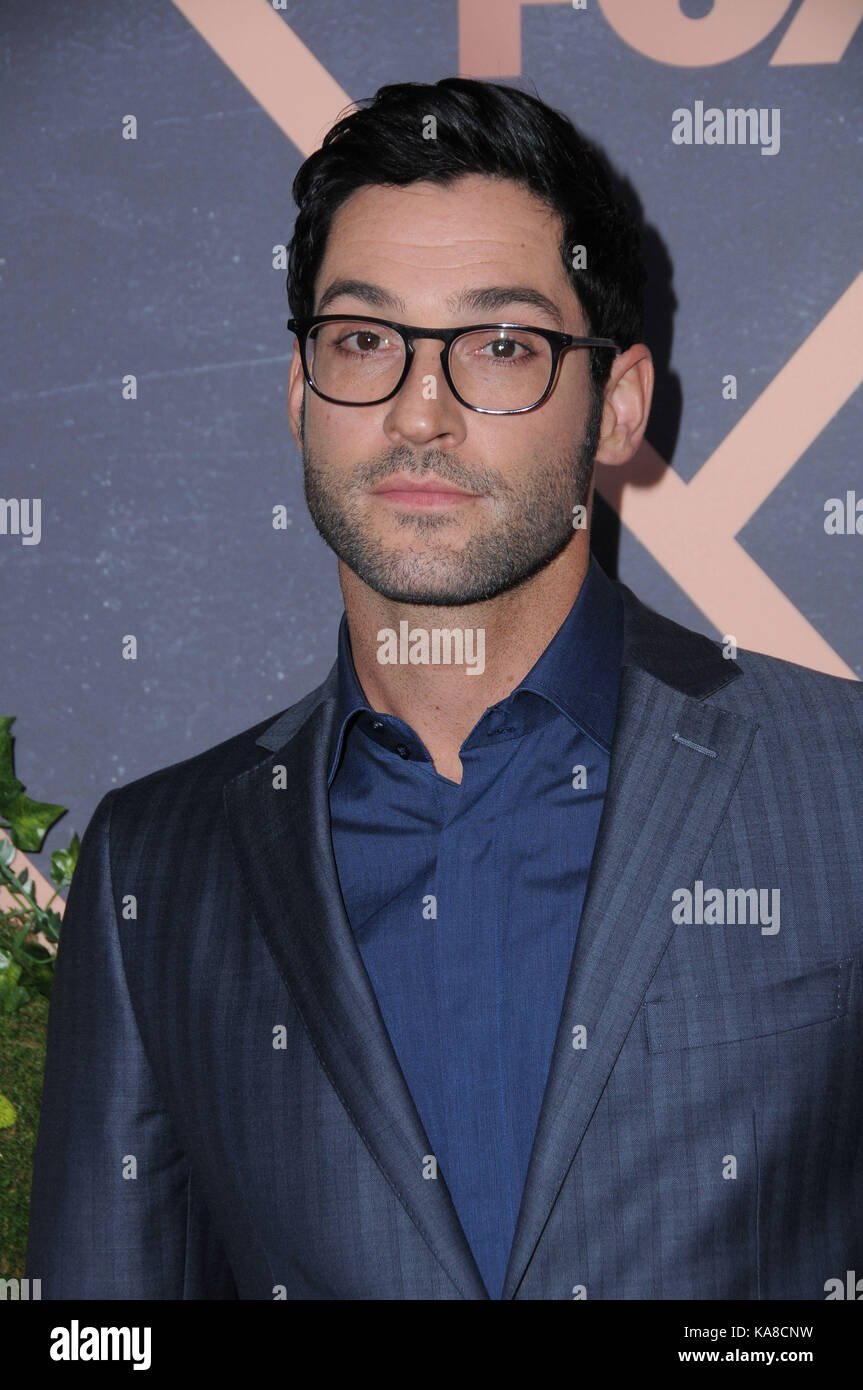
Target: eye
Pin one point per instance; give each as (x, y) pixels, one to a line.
(367, 340)
(505, 350)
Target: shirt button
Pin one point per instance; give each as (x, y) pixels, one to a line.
(377, 724)
(403, 750)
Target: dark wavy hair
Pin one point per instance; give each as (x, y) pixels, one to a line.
(482, 128)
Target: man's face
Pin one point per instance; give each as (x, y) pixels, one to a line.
(416, 248)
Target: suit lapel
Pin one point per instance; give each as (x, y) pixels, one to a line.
(664, 802)
(282, 841)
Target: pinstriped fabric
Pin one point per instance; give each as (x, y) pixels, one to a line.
(705, 1143)
(94, 1230)
(747, 1047)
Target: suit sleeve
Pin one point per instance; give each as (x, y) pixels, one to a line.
(112, 1212)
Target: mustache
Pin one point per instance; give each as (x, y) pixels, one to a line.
(445, 466)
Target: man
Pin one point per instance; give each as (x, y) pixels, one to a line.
(522, 958)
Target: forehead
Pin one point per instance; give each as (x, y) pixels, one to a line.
(424, 240)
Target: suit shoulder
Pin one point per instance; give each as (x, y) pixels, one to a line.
(775, 673)
(798, 701)
(752, 684)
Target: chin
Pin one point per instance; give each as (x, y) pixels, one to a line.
(430, 592)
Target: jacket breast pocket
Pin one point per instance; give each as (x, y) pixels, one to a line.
(702, 1020)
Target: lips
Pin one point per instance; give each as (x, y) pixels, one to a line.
(431, 487)
(421, 495)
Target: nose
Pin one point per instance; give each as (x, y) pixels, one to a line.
(424, 408)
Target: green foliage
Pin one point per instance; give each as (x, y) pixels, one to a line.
(12, 995)
(27, 963)
(27, 821)
(22, 1061)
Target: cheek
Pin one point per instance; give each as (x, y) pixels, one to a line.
(535, 434)
(339, 433)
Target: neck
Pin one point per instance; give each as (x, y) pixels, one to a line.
(502, 639)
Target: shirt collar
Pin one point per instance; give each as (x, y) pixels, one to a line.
(578, 673)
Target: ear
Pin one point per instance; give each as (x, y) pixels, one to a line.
(295, 394)
(626, 405)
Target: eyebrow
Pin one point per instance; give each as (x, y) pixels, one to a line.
(489, 299)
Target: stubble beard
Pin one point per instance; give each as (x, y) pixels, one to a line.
(532, 521)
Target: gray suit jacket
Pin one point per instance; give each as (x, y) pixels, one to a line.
(224, 1115)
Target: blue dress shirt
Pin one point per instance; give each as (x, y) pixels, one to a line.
(464, 898)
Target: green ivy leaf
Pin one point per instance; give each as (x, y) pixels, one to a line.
(63, 863)
(9, 784)
(51, 922)
(7, 1112)
(29, 821)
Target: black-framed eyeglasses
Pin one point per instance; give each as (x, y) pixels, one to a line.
(493, 368)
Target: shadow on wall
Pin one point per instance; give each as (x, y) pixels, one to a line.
(663, 428)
